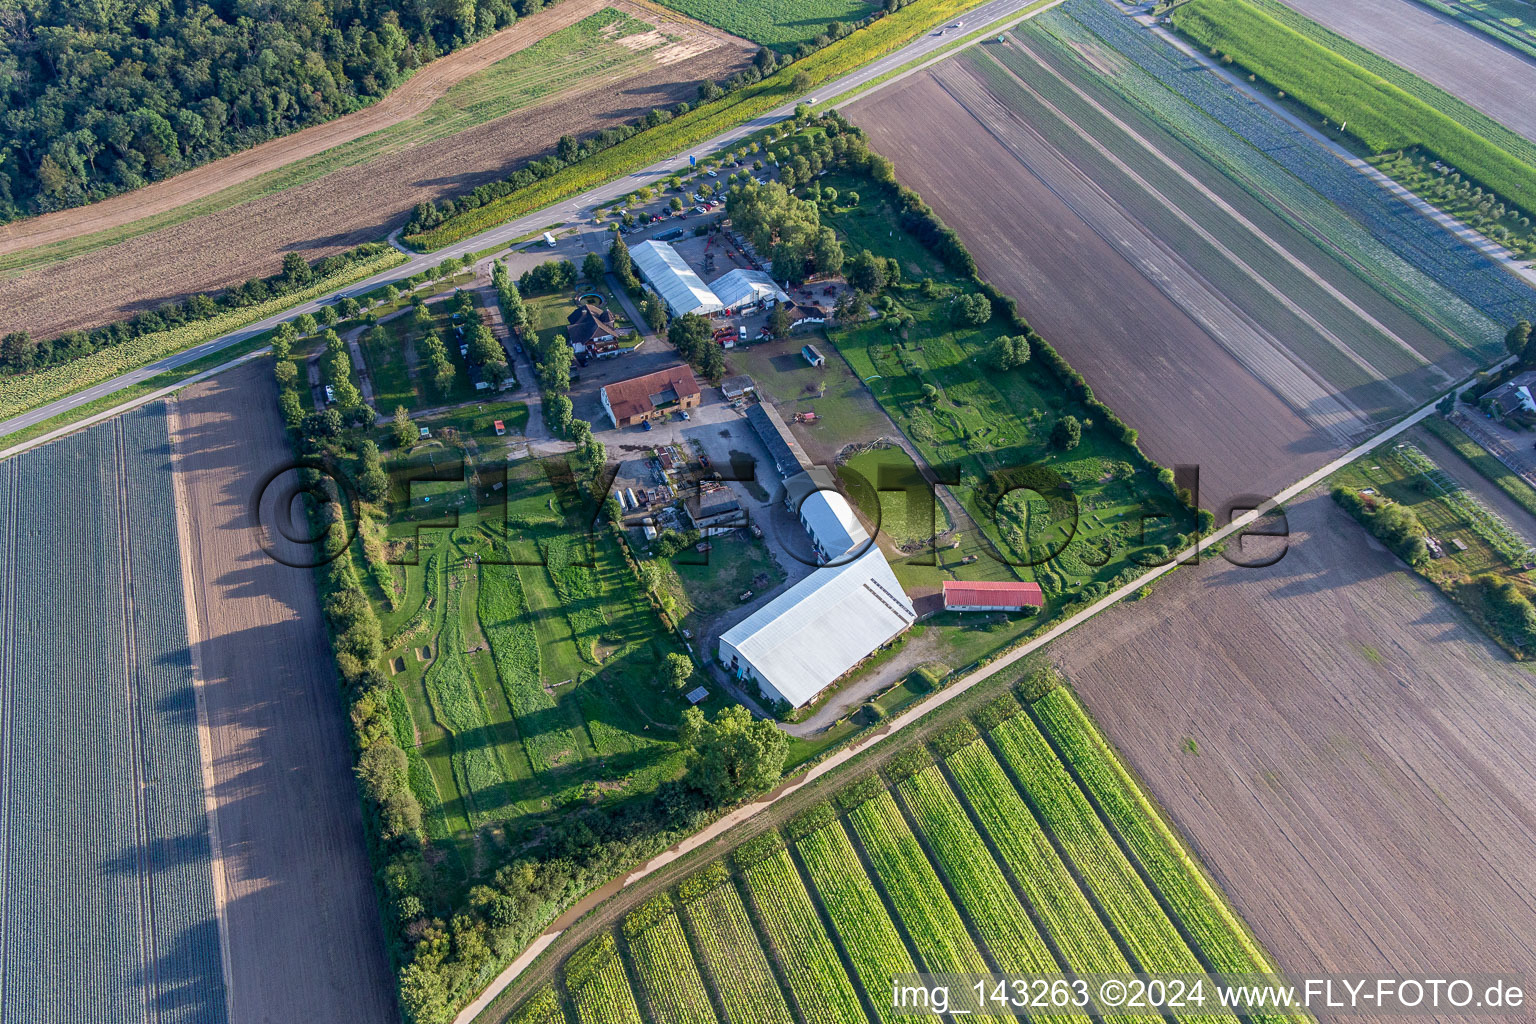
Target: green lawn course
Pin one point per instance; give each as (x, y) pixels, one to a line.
(1381, 115)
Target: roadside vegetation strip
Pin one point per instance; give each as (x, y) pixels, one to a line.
(598, 986)
(806, 955)
(664, 964)
(1200, 906)
(984, 892)
(1479, 458)
(873, 944)
(734, 958)
(914, 888)
(1037, 869)
(18, 394)
(1373, 110)
(1136, 914)
(702, 123)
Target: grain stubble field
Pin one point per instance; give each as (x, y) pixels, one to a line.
(1191, 400)
(1359, 789)
(303, 934)
(1459, 59)
(355, 204)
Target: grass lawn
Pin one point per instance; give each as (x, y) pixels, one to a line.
(562, 649)
(781, 24)
(736, 564)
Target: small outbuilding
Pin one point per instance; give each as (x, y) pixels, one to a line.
(738, 387)
(991, 596)
(813, 355)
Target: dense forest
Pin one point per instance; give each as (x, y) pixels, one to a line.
(101, 96)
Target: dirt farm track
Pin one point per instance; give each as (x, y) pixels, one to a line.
(1459, 59)
(291, 869)
(1362, 790)
(354, 204)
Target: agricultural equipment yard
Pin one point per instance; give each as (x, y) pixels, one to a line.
(1362, 718)
(108, 879)
(358, 190)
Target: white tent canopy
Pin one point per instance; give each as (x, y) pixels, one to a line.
(743, 287)
(679, 287)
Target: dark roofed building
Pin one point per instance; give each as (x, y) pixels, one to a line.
(629, 402)
(1514, 398)
(736, 387)
(787, 455)
(591, 327)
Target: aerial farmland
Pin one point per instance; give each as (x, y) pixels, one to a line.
(1278, 304)
(109, 880)
(810, 512)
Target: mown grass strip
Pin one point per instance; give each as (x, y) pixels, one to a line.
(857, 912)
(21, 393)
(1130, 905)
(914, 888)
(806, 955)
(1476, 456)
(704, 122)
(1201, 908)
(1381, 115)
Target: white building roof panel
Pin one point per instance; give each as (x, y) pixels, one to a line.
(815, 631)
(679, 287)
(742, 287)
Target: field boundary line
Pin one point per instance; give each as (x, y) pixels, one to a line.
(133, 723)
(134, 403)
(184, 544)
(7, 686)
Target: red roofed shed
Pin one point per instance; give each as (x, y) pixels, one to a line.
(991, 596)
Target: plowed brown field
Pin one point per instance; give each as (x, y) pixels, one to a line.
(302, 927)
(351, 205)
(1363, 787)
(1145, 356)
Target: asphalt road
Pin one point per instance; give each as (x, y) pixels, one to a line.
(575, 209)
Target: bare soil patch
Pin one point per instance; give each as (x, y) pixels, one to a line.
(304, 941)
(1191, 400)
(348, 206)
(1361, 785)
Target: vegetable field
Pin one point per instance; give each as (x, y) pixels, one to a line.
(781, 24)
(1028, 850)
(109, 903)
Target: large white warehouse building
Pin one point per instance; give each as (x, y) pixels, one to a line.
(802, 641)
(660, 266)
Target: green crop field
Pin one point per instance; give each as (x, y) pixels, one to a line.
(781, 24)
(108, 861)
(964, 865)
(1381, 115)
